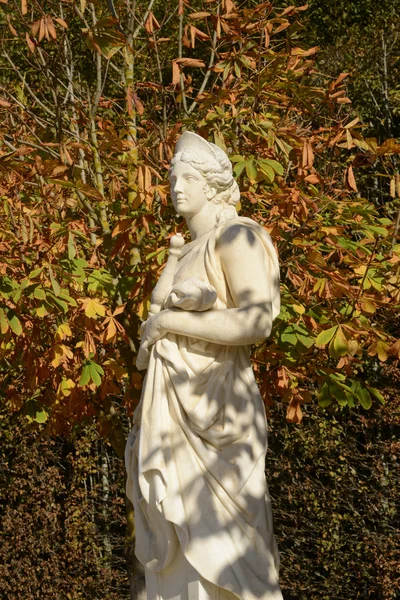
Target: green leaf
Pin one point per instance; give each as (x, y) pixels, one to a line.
(325, 337)
(338, 346)
(71, 247)
(35, 411)
(239, 168)
(324, 396)
(54, 283)
(14, 322)
(4, 325)
(35, 273)
(376, 394)
(278, 168)
(338, 393)
(362, 394)
(251, 170)
(39, 293)
(85, 376)
(267, 170)
(97, 367)
(95, 371)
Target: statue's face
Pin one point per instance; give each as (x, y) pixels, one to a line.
(190, 191)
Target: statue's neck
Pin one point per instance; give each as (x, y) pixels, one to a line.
(204, 221)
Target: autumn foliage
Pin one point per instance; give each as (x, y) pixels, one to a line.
(88, 130)
(92, 100)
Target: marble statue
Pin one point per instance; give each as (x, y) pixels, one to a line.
(195, 456)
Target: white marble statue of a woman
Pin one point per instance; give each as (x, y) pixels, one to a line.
(195, 457)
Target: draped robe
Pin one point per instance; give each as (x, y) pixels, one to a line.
(195, 461)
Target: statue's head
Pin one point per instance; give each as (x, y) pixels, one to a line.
(205, 172)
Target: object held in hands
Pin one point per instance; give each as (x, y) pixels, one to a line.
(160, 292)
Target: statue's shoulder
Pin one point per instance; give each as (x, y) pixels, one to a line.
(241, 228)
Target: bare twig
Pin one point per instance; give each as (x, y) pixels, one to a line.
(181, 80)
(143, 21)
(28, 88)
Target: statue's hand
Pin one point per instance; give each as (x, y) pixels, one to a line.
(152, 330)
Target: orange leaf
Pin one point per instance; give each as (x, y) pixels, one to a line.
(138, 103)
(338, 81)
(110, 331)
(41, 29)
(351, 179)
(176, 73)
(4, 103)
(294, 413)
(11, 27)
(199, 15)
(24, 7)
(35, 27)
(190, 62)
(313, 178)
(61, 22)
(284, 25)
(31, 44)
(50, 27)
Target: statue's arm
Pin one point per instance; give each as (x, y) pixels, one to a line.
(242, 258)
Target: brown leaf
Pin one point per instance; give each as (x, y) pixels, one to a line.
(41, 29)
(138, 103)
(4, 103)
(338, 81)
(301, 52)
(50, 27)
(35, 27)
(151, 24)
(389, 146)
(294, 413)
(351, 179)
(11, 27)
(199, 15)
(61, 22)
(305, 155)
(190, 62)
(267, 37)
(229, 6)
(176, 73)
(31, 44)
(310, 155)
(313, 178)
(283, 26)
(24, 7)
(129, 100)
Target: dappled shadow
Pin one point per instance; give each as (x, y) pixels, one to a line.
(196, 465)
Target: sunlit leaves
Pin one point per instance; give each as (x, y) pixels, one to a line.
(91, 372)
(93, 308)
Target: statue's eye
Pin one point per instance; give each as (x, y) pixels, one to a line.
(191, 178)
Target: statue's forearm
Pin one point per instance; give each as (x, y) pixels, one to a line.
(230, 326)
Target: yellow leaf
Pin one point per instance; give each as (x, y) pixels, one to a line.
(63, 331)
(60, 354)
(111, 331)
(94, 308)
(299, 308)
(65, 387)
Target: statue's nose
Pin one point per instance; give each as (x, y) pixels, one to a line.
(178, 186)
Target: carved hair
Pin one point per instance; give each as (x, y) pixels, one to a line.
(216, 168)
